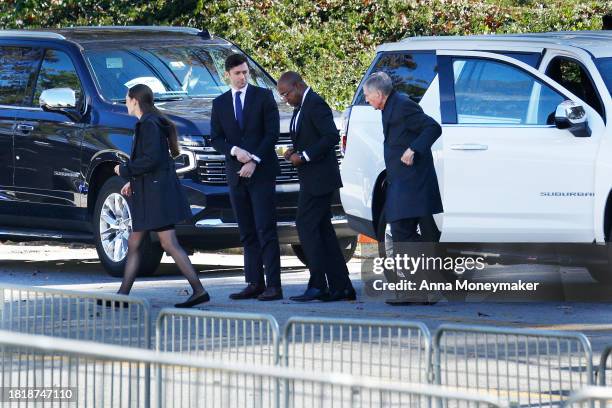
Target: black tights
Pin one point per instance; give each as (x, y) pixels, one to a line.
(171, 245)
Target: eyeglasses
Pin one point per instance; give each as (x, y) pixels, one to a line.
(285, 94)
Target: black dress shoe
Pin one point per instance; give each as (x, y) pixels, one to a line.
(194, 300)
(112, 303)
(250, 292)
(344, 294)
(310, 295)
(271, 294)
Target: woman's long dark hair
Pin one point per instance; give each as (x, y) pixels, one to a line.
(144, 95)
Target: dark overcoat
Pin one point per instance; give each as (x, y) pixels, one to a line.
(157, 199)
(412, 191)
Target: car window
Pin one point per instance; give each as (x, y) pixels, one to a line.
(572, 75)
(171, 72)
(530, 58)
(17, 69)
(57, 71)
(491, 92)
(411, 72)
(605, 69)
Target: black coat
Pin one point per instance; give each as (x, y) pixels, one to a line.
(259, 136)
(412, 191)
(157, 197)
(316, 135)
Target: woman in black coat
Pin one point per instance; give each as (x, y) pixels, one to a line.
(157, 200)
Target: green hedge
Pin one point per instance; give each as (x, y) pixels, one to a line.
(331, 42)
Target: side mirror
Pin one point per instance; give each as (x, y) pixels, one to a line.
(62, 100)
(572, 116)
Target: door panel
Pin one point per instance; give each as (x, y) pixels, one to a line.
(17, 68)
(7, 123)
(509, 174)
(47, 158)
(48, 145)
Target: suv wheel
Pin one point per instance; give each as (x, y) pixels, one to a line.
(347, 244)
(602, 273)
(112, 224)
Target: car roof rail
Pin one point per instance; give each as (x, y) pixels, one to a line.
(185, 30)
(31, 34)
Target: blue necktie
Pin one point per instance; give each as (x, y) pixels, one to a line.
(239, 109)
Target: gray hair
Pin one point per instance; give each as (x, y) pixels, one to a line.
(379, 81)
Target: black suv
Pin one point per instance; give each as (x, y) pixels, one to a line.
(64, 126)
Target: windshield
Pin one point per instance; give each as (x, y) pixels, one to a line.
(605, 69)
(171, 72)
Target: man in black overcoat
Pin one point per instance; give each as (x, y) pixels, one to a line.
(412, 191)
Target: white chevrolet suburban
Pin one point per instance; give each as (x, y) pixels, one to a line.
(525, 154)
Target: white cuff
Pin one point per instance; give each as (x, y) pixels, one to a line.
(233, 151)
(305, 156)
(257, 159)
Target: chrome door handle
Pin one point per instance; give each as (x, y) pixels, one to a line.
(22, 127)
(469, 146)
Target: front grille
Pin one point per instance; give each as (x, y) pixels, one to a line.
(211, 167)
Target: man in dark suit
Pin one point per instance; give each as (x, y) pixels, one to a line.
(245, 128)
(412, 193)
(315, 136)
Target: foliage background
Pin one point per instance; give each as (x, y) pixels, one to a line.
(331, 42)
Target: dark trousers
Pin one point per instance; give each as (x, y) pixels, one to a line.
(406, 241)
(405, 230)
(320, 244)
(254, 205)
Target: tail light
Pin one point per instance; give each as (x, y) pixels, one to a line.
(344, 128)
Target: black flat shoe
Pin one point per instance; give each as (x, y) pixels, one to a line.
(194, 300)
(338, 295)
(112, 303)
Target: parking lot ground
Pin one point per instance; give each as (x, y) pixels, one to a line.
(77, 268)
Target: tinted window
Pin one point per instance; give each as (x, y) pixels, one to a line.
(497, 93)
(411, 73)
(530, 58)
(17, 67)
(171, 72)
(57, 71)
(605, 69)
(572, 75)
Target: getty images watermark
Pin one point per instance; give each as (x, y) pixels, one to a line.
(420, 269)
(406, 266)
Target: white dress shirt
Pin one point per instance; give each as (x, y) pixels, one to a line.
(298, 116)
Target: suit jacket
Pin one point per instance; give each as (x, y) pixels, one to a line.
(259, 136)
(158, 199)
(412, 191)
(317, 135)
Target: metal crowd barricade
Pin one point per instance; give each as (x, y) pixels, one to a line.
(78, 315)
(590, 397)
(250, 338)
(391, 349)
(107, 375)
(75, 315)
(604, 377)
(525, 366)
